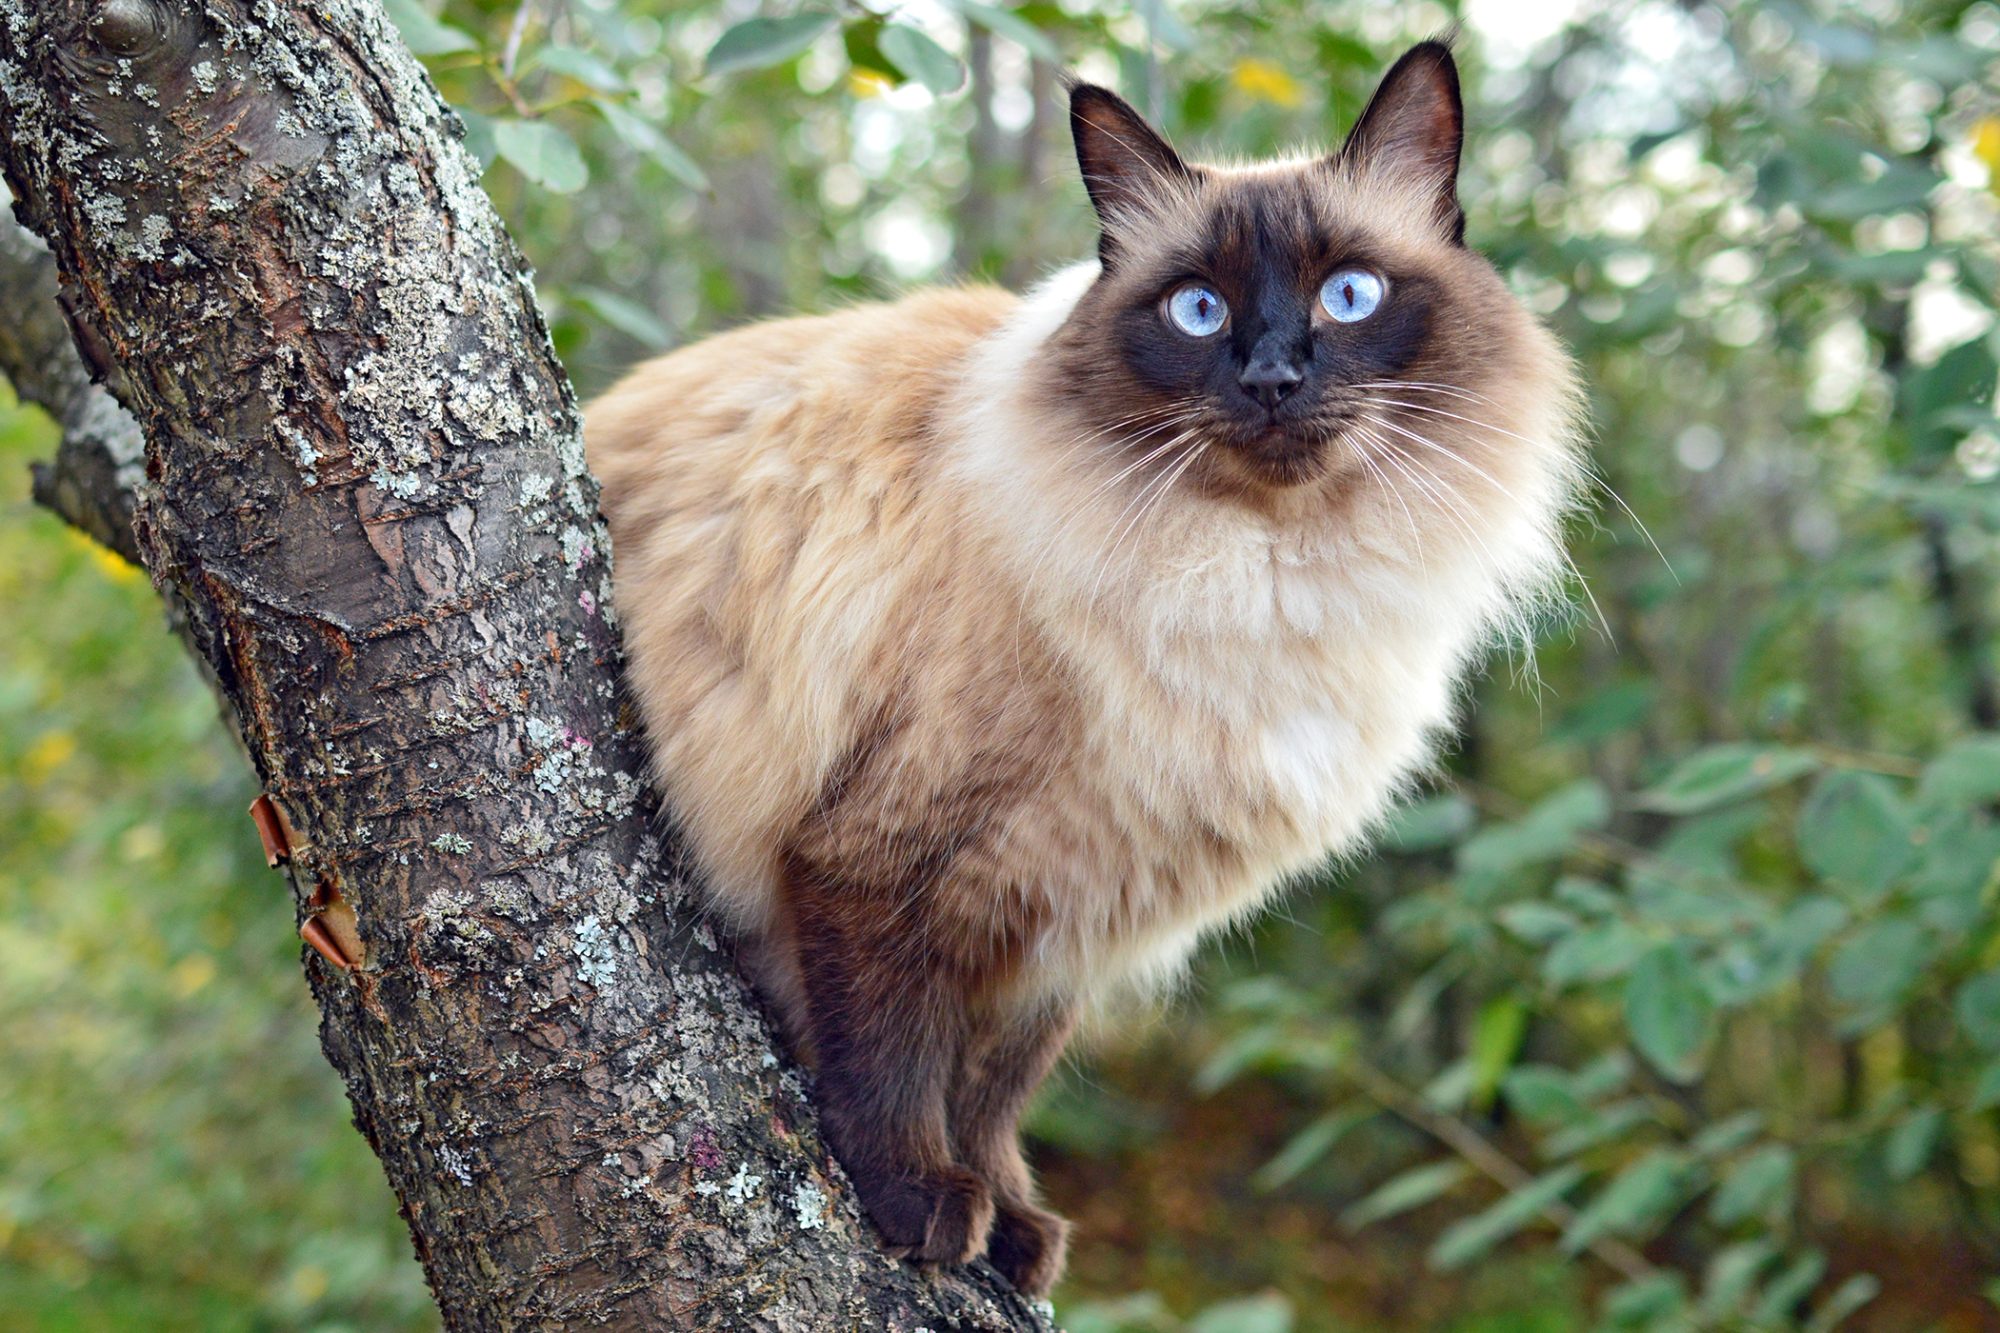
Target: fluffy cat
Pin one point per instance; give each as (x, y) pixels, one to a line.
(993, 650)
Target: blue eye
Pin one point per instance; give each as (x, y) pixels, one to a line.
(1352, 294)
(1197, 310)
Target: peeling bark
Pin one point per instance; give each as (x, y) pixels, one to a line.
(365, 487)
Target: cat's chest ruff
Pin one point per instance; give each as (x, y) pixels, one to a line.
(1256, 698)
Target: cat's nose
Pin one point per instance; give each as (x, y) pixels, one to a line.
(1270, 380)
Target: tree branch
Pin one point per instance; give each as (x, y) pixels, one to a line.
(94, 480)
(365, 486)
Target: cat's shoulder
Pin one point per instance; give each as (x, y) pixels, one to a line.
(923, 327)
(865, 357)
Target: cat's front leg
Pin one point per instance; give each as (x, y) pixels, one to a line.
(885, 1016)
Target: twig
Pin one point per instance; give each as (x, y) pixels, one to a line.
(1489, 1161)
(518, 29)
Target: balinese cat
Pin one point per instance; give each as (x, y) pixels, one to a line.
(993, 650)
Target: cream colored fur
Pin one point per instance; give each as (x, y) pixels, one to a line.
(822, 522)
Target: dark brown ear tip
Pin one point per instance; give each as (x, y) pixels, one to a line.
(1435, 52)
(1086, 97)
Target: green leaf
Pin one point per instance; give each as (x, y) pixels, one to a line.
(1727, 1135)
(582, 66)
(1002, 23)
(1164, 26)
(1787, 1289)
(1472, 1237)
(1307, 1147)
(922, 59)
(1967, 773)
(1722, 773)
(1585, 895)
(1546, 832)
(1496, 1038)
(1985, 1089)
(1912, 1141)
(1732, 1275)
(424, 35)
(1266, 1313)
(1853, 830)
(1436, 821)
(1638, 1195)
(1649, 1302)
(627, 316)
(1595, 953)
(1400, 1193)
(1758, 1185)
(1879, 962)
(761, 42)
(860, 38)
(1541, 1093)
(1848, 1297)
(1127, 1314)
(1668, 1011)
(1978, 1009)
(1965, 374)
(1794, 937)
(1536, 922)
(640, 135)
(542, 153)
(1603, 1126)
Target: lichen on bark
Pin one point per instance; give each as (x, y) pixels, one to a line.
(365, 489)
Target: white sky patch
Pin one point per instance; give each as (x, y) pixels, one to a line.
(1942, 317)
(1510, 30)
(910, 241)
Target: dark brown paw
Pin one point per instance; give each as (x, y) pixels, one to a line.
(1029, 1247)
(940, 1219)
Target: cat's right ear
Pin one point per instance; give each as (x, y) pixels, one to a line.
(1126, 165)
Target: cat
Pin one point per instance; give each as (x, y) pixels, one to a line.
(994, 649)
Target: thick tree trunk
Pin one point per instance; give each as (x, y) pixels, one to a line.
(366, 491)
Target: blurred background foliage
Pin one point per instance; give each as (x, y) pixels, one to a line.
(1675, 1004)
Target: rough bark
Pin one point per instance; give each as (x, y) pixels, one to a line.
(365, 488)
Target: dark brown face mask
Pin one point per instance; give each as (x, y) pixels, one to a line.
(1266, 303)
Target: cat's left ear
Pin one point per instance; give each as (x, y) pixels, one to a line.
(1126, 165)
(1414, 128)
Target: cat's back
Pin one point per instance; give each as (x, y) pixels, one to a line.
(766, 491)
(854, 386)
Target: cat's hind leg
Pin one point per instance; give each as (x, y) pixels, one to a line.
(1007, 1054)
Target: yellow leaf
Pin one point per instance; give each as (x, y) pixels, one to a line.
(1266, 82)
(46, 755)
(868, 83)
(309, 1284)
(191, 973)
(113, 565)
(1986, 147)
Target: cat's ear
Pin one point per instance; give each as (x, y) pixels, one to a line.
(1413, 128)
(1126, 165)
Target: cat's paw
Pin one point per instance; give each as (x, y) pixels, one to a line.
(1029, 1247)
(938, 1219)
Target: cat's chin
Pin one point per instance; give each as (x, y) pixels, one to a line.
(1280, 458)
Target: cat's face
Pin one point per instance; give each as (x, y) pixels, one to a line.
(1274, 311)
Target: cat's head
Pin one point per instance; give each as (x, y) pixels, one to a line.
(1278, 312)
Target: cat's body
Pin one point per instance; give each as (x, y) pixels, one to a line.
(988, 663)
